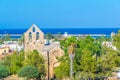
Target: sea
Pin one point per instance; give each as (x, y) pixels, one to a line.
(105, 31)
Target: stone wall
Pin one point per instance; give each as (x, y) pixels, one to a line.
(32, 43)
(54, 49)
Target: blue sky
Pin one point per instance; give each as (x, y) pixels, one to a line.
(60, 13)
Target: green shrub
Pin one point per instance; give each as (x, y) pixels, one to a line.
(28, 72)
(3, 72)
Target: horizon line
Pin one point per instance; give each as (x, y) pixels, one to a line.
(64, 28)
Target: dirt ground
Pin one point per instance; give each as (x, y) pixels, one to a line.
(12, 77)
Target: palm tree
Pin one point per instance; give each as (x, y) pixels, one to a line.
(71, 51)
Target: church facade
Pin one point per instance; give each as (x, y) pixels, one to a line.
(34, 40)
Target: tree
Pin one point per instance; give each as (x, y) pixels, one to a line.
(48, 36)
(59, 34)
(108, 61)
(71, 51)
(1, 40)
(28, 72)
(88, 65)
(70, 40)
(81, 46)
(63, 70)
(101, 39)
(21, 40)
(71, 44)
(35, 59)
(14, 62)
(91, 57)
(116, 40)
(3, 72)
(7, 37)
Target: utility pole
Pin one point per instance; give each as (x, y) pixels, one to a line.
(48, 65)
(71, 65)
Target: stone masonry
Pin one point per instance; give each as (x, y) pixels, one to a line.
(30, 41)
(34, 40)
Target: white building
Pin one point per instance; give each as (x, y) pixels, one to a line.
(13, 45)
(109, 44)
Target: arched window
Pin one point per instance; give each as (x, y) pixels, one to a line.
(33, 29)
(37, 36)
(30, 36)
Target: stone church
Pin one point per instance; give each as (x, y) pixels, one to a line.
(34, 40)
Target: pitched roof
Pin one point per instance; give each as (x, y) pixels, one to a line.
(36, 27)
